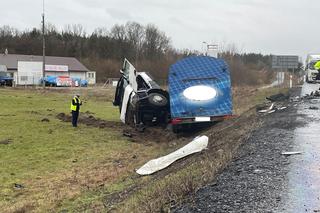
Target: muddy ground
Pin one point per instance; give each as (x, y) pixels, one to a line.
(149, 135)
(254, 180)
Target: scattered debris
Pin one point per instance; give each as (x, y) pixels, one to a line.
(75, 161)
(272, 111)
(197, 145)
(267, 110)
(18, 186)
(315, 93)
(313, 108)
(127, 134)
(291, 153)
(296, 99)
(45, 120)
(258, 171)
(6, 141)
(278, 97)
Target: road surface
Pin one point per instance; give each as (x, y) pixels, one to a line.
(304, 175)
(261, 179)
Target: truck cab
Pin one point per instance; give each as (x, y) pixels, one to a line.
(140, 99)
(312, 75)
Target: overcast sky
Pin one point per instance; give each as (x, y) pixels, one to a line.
(266, 26)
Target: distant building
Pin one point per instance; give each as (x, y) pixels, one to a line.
(27, 69)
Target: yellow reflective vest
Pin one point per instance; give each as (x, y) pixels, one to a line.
(77, 101)
(317, 65)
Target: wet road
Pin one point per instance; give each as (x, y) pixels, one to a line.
(303, 189)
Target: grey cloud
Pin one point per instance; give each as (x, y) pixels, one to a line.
(267, 26)
(119, 14)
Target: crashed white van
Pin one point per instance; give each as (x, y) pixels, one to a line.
(141, 101)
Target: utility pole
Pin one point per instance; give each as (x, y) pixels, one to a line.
(43, 49)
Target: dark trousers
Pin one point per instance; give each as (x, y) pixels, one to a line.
(75, 115)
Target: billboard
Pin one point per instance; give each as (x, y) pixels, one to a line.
(57, 68)
(29, 73)
(285, 62)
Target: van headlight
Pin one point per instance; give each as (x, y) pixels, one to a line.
(200, 93)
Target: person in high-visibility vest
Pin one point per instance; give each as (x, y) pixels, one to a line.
(317, 65)
(75, 108)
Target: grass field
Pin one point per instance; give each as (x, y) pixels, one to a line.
(53, 161)
(48, 166)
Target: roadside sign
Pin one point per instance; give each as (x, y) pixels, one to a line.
(285, 62)
(57, 68)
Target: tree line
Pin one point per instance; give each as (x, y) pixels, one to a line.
(103, 50)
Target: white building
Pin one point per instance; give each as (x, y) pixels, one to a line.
(27, 69)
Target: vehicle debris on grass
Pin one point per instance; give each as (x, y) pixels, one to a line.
(197, 145)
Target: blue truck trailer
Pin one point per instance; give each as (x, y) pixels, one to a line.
(200, 90)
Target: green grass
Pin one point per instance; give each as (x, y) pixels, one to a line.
(62, 168)
(54, 159)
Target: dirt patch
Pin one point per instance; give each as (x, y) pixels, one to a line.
(6, 141)
(45, 120)
(149, 135)
(90, 120)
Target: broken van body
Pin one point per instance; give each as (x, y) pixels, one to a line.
(200, 90)
(141, 100)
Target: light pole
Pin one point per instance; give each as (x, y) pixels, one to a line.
(204, 48)
(43, 49)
